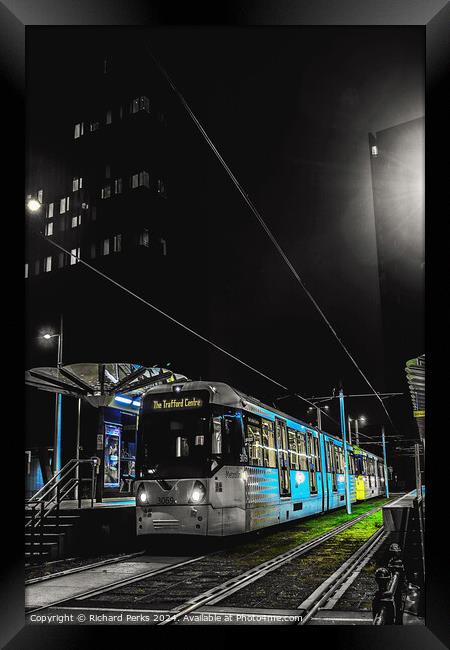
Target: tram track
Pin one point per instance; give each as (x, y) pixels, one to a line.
(230, 587)
(328, 593)
(175, 576)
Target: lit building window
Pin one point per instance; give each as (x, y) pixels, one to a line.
(94, 126)
(47, 264)
(77, 184)
(142, 179)
(108, 116)
(76, 221)
(134, 107)
(161, 187)
(74, 255)
(144, 104)
(117, 243)
(374, 151)
(64, 205)
(26, 270)
(50, 211)
(144, 238)
(40, 195)
(118, 186)
(106, 192)
(79, 130)
(106, 247)
(140, 104)
(49, 228)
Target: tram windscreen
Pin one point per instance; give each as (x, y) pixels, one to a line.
(176, 444)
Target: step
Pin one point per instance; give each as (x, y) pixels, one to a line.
(56, 536)
(49, 549)
(35, 555)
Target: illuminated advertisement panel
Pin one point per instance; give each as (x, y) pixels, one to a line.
(112, 454)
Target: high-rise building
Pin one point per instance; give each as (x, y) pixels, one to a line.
(397, 161)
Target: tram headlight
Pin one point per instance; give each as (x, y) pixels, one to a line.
(142, 494)
(198, 492)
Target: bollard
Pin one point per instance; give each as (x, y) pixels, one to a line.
(382, 577)
(396, 568)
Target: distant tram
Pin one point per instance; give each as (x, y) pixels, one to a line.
(213, 461)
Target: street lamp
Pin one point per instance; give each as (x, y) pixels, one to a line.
(318, 413)
(34, 205)
(58, 402)
(363, 420)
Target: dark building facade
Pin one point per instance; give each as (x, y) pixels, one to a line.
(397, 164)
(398, 172)
(101, 174)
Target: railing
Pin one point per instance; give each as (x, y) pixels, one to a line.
(387, 604)
(48, 499)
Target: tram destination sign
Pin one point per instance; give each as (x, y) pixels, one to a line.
(185, 402)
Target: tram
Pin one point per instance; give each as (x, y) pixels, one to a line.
(213, 461)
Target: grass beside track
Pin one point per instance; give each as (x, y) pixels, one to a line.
(289, 585)
(285, 537)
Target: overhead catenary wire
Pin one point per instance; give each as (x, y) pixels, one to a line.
(267, 230)
(174, 320)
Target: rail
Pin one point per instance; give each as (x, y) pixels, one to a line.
(387, 604)
(48, 499)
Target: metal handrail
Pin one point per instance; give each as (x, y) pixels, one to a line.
(46, 486)
(63, 472)
(48, 505)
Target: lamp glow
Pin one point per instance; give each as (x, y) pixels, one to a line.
(33, 205)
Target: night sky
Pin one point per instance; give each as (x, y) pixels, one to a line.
(290, 111)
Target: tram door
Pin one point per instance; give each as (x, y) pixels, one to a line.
(283, 458)
(313, 458)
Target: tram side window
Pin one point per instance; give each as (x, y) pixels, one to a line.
(351, 464)
(268, 441)
(233, 444)
(302, 455)
(316, 453)
(340, 452)
(330, 457)
(313, 448)
(255, 445)
(293, 450)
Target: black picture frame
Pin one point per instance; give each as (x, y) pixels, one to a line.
(16, 16)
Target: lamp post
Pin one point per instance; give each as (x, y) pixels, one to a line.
(318, 414)
(361, 419)
(58, 401)
(344, 441)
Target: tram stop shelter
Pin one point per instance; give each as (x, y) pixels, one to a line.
(115, 390)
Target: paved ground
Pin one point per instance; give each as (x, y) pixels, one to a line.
(54, 589)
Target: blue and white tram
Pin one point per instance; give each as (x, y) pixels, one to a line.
(212, 461)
